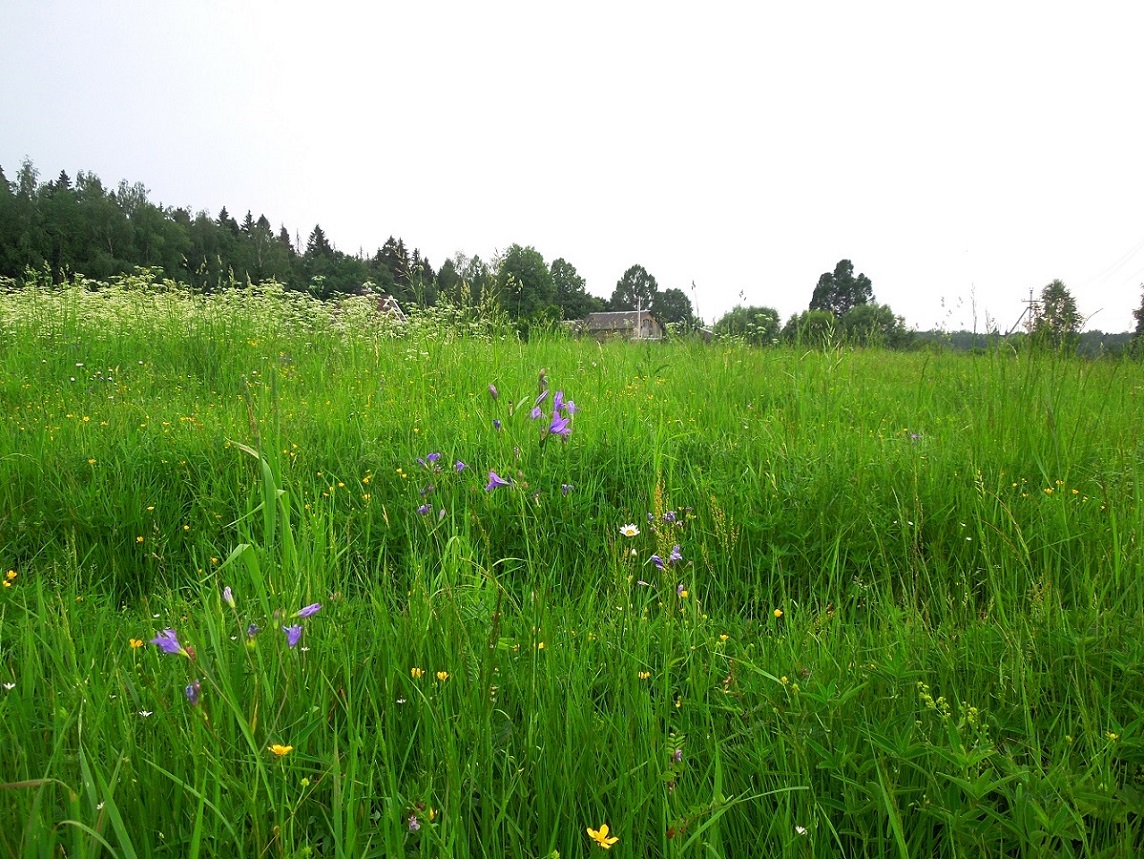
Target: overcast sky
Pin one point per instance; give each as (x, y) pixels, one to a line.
(960, 154)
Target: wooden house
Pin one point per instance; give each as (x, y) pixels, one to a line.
(624, 324)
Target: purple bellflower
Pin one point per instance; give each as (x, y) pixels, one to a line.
(293, 634)
(495, 480)
(168, 642)
(193, 692)
(560, 426)
(309, 611)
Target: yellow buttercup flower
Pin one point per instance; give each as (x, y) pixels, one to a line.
(415, 672)
(600, 836)
(136, 643)
(281, 750)
(778, 613)
(442, 676)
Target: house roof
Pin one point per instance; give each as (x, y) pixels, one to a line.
(617, 320)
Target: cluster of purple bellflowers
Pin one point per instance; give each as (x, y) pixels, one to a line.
(168, 640)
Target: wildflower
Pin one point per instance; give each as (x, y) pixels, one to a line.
(676, 555)
(496, 424)
(442, 676)
(135, 643)
(280, 750)
(677, 755)
(432, 458)
(494, 481)
(644, 675)
(669, 517)
(558, 401)
(493, 392)
(658, 561)
(459, 466)
(425, 509)
(168, 642)
(309, 611)
(680, 590)
(251, 630)
(570, 408)
(565, 488)
(800, 830)
(293, 634)
(643, 584)
(630, 530)
(540, 646)
(145, 713)
(228, 596)
(415, 672)
(414, 824)
(535, 413)
(723, 636)
(778, 613)
(139, 539)
(193, 691)
(543, 396)
(600, 836)
(10, 576)
(560, 426)
(427, 490)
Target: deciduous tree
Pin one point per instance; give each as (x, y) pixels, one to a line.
(634, 290)
(524, 282)
(840, 290)
(1057, 321)
(671, 306)
(757, 325)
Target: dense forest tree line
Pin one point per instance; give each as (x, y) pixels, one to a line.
(80, 226)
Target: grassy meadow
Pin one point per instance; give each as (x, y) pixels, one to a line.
(262, 596)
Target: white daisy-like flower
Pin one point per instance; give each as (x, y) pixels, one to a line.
(145, 713)
(8, 687)
(630, 530)
(801, 830)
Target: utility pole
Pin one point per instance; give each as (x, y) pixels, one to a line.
(1029, 314)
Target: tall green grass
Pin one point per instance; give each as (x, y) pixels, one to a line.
(907, 619)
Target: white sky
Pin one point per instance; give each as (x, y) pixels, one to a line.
(952, 151)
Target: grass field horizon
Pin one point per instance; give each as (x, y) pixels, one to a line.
(263, 595)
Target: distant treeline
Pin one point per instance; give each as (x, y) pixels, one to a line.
(80, 227)
(1091, 344)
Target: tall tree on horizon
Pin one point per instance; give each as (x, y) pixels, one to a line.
(1057, 320)
(839, 291)
(635, 290)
